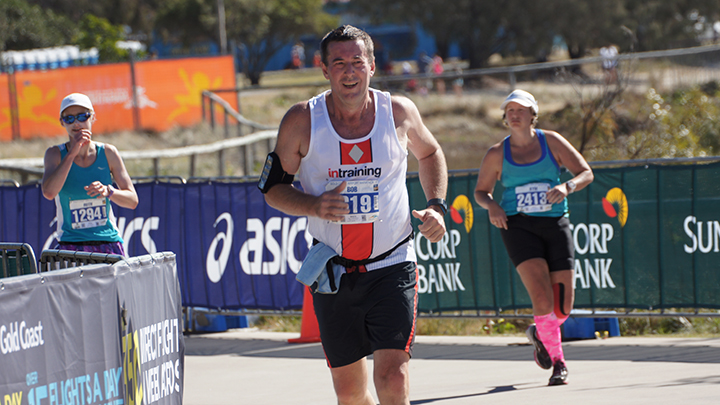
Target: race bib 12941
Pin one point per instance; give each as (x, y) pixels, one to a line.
(88, 213)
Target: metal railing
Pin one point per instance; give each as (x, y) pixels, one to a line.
(54, 259)
(211, 102)
(19, 257)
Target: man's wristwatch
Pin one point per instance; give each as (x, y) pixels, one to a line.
(571, 186)
(440, 203)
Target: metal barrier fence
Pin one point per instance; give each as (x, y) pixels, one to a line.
(235, 253)
(54, 259)
(17, 259)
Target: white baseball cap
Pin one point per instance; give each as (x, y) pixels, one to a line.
(521, 97)
(76, 99)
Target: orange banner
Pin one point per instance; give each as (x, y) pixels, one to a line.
(5, 113)
(173, 89)
(168, 93)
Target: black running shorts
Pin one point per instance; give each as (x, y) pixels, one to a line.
(529, 237)
(371, 311)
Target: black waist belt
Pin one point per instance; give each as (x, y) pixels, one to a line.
(347, 263)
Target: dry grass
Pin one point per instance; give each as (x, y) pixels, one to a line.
(465, 125)
(696, 327)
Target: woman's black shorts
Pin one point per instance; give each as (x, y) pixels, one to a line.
(530, 237)
(371, 311)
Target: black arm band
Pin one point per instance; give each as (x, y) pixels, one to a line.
(273, 174)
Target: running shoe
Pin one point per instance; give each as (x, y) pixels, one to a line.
(542, 357)
(560, 374)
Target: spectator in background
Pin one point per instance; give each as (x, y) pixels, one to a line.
(298, 55)
(438, 69)
(411, 84)
(79, 175)
(424, 66)
(609, 55)
(317, 59)
(458, 82)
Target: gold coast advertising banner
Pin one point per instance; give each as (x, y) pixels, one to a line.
(95, 335)
(645, 237)
(168, 94)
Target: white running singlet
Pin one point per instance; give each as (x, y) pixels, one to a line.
(375, 167)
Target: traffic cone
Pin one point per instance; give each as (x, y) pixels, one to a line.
(309, 330)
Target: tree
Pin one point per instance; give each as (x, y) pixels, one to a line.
(99, 33)
(263, 27)
(187, 21)
(138, 15)
(259, 27)
(522, 28)
(582, 25)
(24, 26)
(474, 24)
(662, 24)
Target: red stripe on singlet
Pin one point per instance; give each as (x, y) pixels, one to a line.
(357, 239)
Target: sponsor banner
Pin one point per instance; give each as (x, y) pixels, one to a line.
(233, 250)
(170, 90)
(5, 113)
(97, 334)
(646, 237)
(168, 94)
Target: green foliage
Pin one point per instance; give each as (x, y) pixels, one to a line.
(684, 123)
(186, 21)
(502, 327)
(262, 27)
(136, 14)
(662, 24)
(24, 26)
(259, 27)
(279, 323)
(474, 24)
(529, 29)
(101, 34)
(668, 326)
(629, 326)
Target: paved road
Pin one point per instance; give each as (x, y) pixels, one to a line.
(244, 366)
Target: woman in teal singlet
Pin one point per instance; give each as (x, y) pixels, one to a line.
(533, 219)
(79, 176)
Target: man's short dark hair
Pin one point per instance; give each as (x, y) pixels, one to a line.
(347, 33)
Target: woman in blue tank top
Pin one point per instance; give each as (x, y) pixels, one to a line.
(533, 219)
(78, 176)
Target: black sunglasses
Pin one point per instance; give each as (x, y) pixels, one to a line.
(82, 117)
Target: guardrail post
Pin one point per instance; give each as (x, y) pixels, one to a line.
(248, 160)
(192, 165)
(202, 105)
(244, 159)
(513, 80)
(239, 110)
(221, 162)
(212, 114)
(226, 126)
(156, 166)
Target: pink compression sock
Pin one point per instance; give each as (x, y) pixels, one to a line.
(548, 331)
